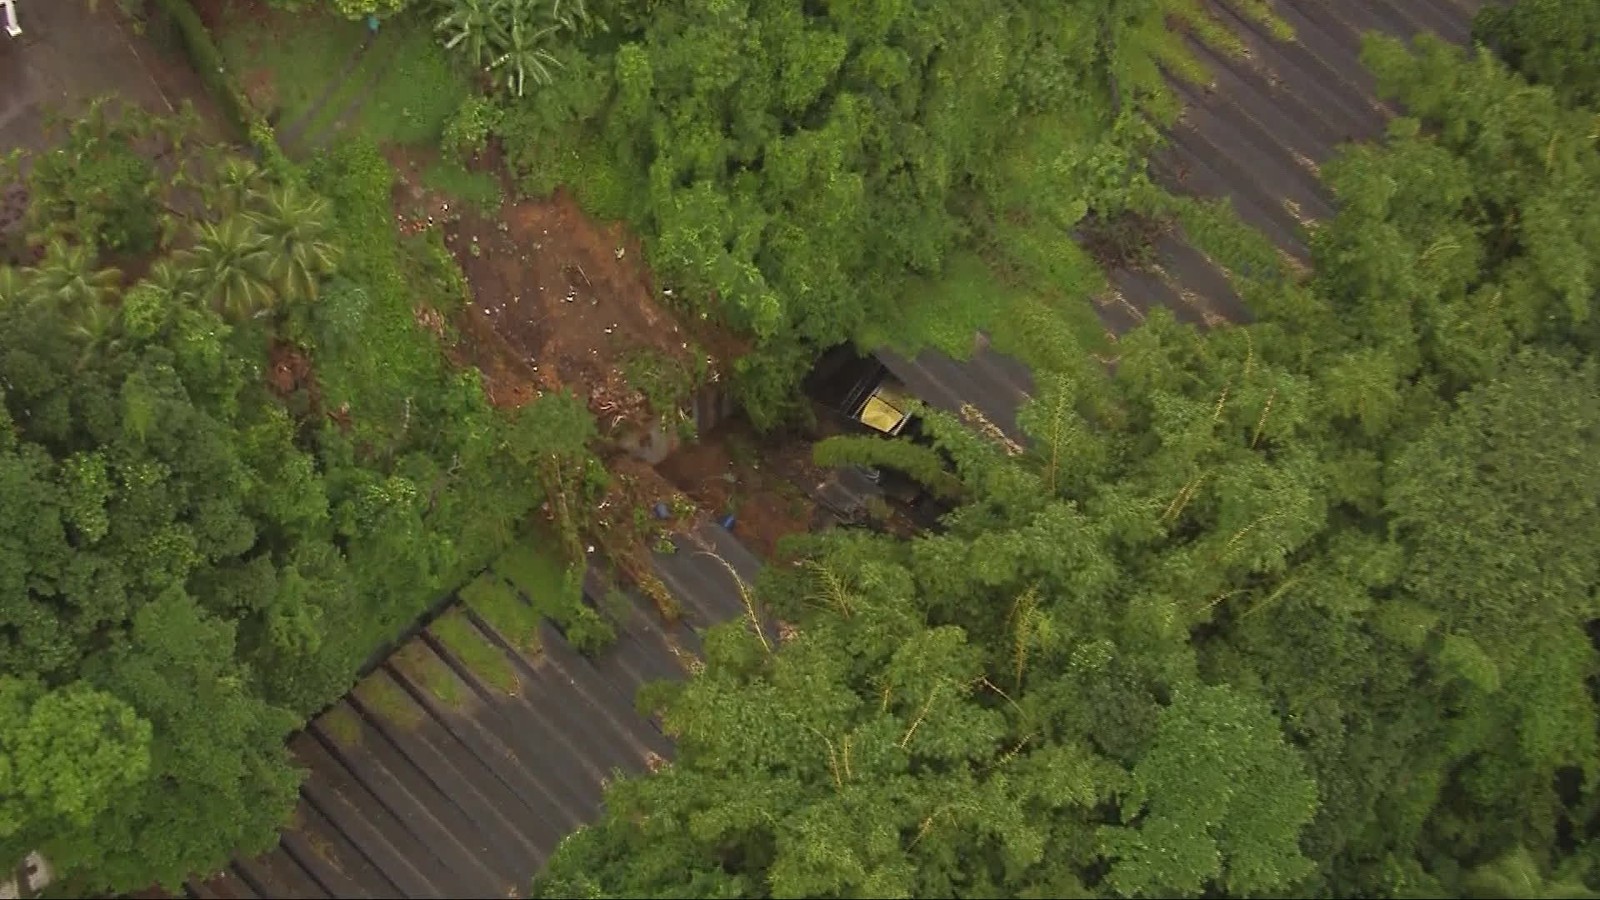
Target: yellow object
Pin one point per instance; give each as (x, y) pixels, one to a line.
(885, 410)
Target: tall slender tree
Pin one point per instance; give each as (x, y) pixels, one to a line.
(295, 239)
(229, 261)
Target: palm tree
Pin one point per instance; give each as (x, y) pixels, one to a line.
(228, 262)
(169, 278)
(67, 285)
(522, 52)
(470, 25)
(96, 329)
(15, 287)
(237, 180)
(67, 278)
(294, 229)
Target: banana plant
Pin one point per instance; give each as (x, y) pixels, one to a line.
(469, 26)
(512, 37)
(524, 55)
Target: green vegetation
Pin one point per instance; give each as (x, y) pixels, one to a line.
(1550, 42)
(1293, 608)
(308, 70)
(481, 189)
(1298, 608)
(237, 467)
(511, 38)
(803, 172)
(463, 639)
(555, 590)
(667, 384)
(422, 666)
(387, 701)
(498, 604)
(467, 131)
(350, 9)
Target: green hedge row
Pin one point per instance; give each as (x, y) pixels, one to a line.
(213, 69)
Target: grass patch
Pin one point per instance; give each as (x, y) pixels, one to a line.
(420, 88)
(666, 383)
(286, 60)
(480, 189)
(343, 725)
(475, 651)
(406, 85)
(388, 701)
(420, 664)
(1217, 231)
(556, 591)
(943, 312)
(1032, 296)
(1261, 11)
(499, 605)
(542, 576)
(1054, 273)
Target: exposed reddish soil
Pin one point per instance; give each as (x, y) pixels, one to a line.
(290, 376)
(562, 302)
(288, 369)
(757, 479)
(559, 301)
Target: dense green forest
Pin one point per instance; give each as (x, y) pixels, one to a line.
(203, 541)
(239, 467)
(1550, 42)
(1295, 608)
(800, 171)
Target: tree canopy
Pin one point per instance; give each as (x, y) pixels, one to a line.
(232, 467)
(1549, 42)
(1301, 607)
(796, 168)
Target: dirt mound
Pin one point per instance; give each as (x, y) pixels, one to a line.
(290, 376)
(558, 301)
(732, 470)
(571, 300)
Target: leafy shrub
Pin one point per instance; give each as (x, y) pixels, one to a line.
(1553, 42)
(467, 132)
(102, 190)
